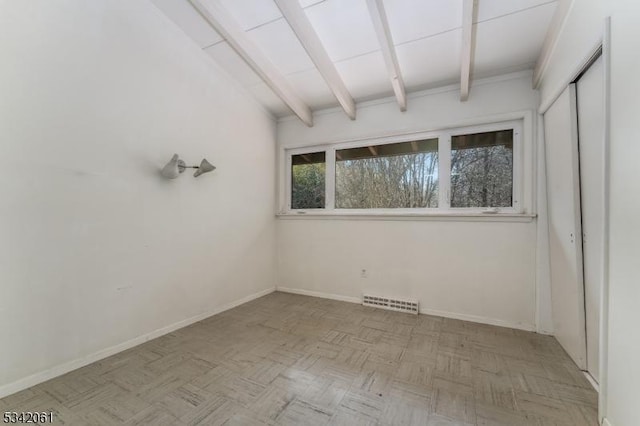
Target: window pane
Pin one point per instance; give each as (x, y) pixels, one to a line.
(482, 169)
(308, 180)
(399, 175)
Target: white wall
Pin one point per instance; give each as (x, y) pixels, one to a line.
(624, 296)
(483, 271)
(584, 27)
(95, 248)
(580, 34)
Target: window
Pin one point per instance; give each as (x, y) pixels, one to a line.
(482, 169)
(471, 170)
(308, 181)
(395, 175)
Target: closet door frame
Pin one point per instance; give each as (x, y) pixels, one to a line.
(603, 45)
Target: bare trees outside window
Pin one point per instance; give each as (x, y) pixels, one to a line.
(398, 175)
(308, 180)
(482, 169)
(460, 171)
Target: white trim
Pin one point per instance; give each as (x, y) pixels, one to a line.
(424, 311)
(604, 295)
(605, 43)
(518, 169)
(522, 133)
(59, 370)
(591, 381)
(330, 170)
(287, 180)
(578, 68)
(407, 216)
(478, 319)
(577, 229)
(282, 166)
(556, 28)
(320, 294)
(444, 171)
(544, 323)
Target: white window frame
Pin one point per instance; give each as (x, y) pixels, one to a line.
(516, 188)
(444, 171)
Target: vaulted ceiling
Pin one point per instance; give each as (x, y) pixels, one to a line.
(313, 54)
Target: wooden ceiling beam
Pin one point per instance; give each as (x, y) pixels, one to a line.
(468, 43)
(299, 23)
(229, 29)
(381, 26)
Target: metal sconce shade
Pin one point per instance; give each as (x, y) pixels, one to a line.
(175, 166)
(205, 167)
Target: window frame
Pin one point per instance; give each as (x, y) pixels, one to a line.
(444, 173)
(516, 184)
(289, 187)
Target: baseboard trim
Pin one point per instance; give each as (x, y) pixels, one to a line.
(320, 294)
(426, 311)
(59, 370)
(478, 319)
(591, 380)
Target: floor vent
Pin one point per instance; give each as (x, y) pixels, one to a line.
(408, 306)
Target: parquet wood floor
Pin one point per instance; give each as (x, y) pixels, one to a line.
(286, 359)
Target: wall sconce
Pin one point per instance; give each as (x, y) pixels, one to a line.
(175, 166)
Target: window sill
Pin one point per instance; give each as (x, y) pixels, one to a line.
(408, 216)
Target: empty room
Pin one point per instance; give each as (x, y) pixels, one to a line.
(320, 212)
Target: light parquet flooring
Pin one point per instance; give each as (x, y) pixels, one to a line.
(295, 360)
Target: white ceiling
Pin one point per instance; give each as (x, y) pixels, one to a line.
(427, 35)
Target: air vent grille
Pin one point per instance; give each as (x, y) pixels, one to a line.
(400, 305)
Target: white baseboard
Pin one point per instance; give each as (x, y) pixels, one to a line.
(426, 311)
(320, 294)
(592, 381)
(59, 370)
(478, 319)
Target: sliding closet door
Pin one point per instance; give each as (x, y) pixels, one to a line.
(565, 235)
(590, 93)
